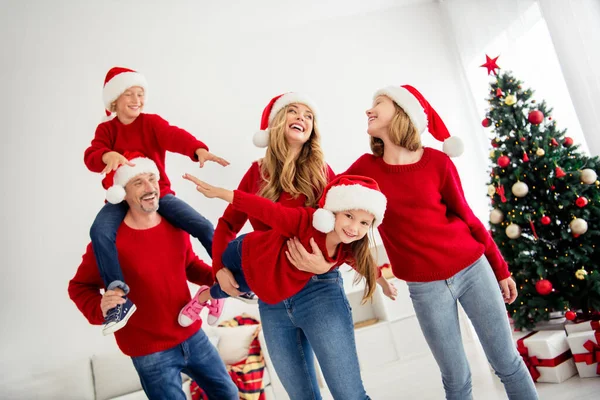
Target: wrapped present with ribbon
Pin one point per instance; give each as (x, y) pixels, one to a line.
(583, 326)
(585, 347)
(546, 355)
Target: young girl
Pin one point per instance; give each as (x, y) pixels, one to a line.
(444, 252)
(131, 130)
(350, 206)
(294, 174)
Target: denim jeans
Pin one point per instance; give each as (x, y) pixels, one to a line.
(318, 319)
(232, 260)
(104, 234)
(160, 373)
(477, 290)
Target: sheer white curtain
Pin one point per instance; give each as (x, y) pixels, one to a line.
(517, 32)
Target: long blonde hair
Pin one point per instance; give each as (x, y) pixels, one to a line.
(403, 133)
(282, 172)
(365, 265)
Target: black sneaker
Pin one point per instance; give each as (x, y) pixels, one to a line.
(248, 298)
(117, 317)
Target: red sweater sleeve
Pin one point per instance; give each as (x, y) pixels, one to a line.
(230, 224)
(102, 143)
(454, 198)
(174, 139)
(285, 220)
(330, 174)
(197, 271)
(84, 288)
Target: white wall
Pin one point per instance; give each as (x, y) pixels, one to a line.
(211, 72)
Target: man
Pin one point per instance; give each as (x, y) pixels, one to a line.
(157, 261)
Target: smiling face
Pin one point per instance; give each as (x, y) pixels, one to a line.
(380, 116)
(130, 104)
(142, 193)
(298, 124)
(352, 225)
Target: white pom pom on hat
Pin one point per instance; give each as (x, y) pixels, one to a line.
(423, 116)
(261, 137)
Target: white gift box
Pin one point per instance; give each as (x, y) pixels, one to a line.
(547, 355)
(582, 326)
(586, 351)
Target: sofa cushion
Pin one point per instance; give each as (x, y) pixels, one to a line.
(114, 375)
(234, 342)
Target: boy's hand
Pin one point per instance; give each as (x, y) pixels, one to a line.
(210, 191)
(113, 160)
(203, 156)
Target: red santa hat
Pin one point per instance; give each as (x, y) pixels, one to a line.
(349, 192)
(117, 81)
(115, 181)
(423, 116)
(261, 138)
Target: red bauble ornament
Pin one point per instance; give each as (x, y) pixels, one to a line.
(503, 161)
(486, 122)
(525, 157)
(581, 202)
(552, 187)
(568, 142)
(535, 117)
(570, 315)
(559, 173)
(545, 220)
(495, 144)
(553, 142)
(499, 92)
(522, 139)
(543, 287)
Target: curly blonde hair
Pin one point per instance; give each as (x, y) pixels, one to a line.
(281, 171)
(403, 133)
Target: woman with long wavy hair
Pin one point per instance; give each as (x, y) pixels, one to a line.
(318, 318)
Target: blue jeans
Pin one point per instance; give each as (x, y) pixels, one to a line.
(317, 318)
(232, 260)
(160, 373)
(104, 234)
(477, 290)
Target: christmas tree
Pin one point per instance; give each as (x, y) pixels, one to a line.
(545, 214)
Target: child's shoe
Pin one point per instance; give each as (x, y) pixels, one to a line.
(191, 311)
(215, 308)
(248, 297)
(117, 317)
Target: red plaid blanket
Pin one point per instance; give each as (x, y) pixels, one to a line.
(246, 374)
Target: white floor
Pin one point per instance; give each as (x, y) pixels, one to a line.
(419, 379)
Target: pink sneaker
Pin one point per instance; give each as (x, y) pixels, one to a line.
(191, 311)
(215, 308)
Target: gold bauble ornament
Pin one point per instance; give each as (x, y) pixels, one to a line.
(579, 226)
(496, 216)
(491, 190)
(588, 176)
(520, 189)
(540, 152)
(581, 274)
(513, 231)
(510, 100)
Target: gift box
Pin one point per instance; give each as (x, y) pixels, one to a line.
(547, 355)
(585, 347)
(574, 327)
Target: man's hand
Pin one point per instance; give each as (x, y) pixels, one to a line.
(111, 299)
(509, 290)
(303, 260)
(203, 156)
(227, 282)
(112, 159)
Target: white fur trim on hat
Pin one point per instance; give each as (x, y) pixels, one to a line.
(116, 193)
(356, 197)
(409, 104)
(120, 83)
(453, 146)
(323, 220)
(291, 98)
(261, 138)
